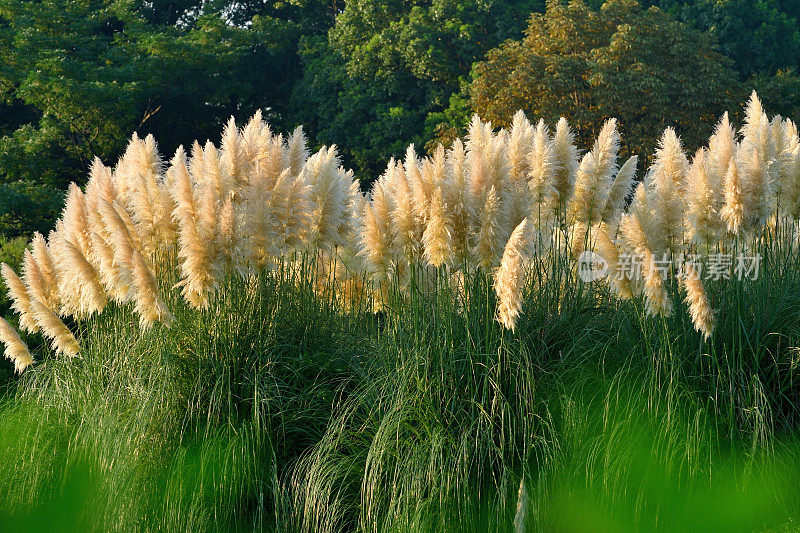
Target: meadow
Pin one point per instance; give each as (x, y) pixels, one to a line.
(244, 339)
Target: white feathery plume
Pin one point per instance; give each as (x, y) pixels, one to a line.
(258, 221)
(488, 243)
(657, 300)
(541, 175)
(509, 280)
(113, 283)
(407, 241)
(619, 191)
(235, 158)
(420, 185)
(566, 160)
(44, 260)
(75, 219)
(62, 339)
(16, 350)
(81, 291)
(20, 301)
(733, 212)
(519, 145)
(704, 222)
(297, 151)
(374, 235)
(755, 160)
(35, 282)
(458, 201)
(149, 305)
(697, 299)
(328, 197)
(437, 236)
(119, 241)
(197, 278)
(226, 241)
(606, 147)
(608, 250)
(721, 150)
(215, 174)
(667, 180)
(591, 187)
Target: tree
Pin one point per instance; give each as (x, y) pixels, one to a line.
(85, 75)
(760, 36)
(387, 64)
(636, 64)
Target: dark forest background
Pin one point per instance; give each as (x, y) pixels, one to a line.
(371, 76)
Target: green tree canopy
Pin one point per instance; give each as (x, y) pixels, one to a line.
(84, 75)
(623, 60)
(387, 64)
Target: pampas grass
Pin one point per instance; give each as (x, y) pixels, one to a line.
(510, 277)
(62, 339)
(16, 350)
(260, 201)
(697, 299)
(20, 301)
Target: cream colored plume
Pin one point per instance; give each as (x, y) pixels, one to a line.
(704, 222)
(375, 235)
(519, 145)
(458, 201)
(75, 219)
(608, 250)
(149, 305)
(657, 300)
(328, 197)
(35, 282)
(194, 246)
(509, 280)
(226, 241)
(667, 180)
(541, 175)
(44, 260)
(721, 150)
(619, 191)
(20, 301)
(405, 226)
(697, 299)
(488, 241)
(733, 211)
(437, 238)
(235, 158)
(81, 292)
(590, 192)
(53, 328)
(566, 158)
(16, 350)
(119, 241)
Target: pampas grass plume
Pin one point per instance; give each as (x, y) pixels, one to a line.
(697, 299)
(20, 301)
(62, 339)
(149, 305)
(510, 277)
(436, 239)
(16, 350)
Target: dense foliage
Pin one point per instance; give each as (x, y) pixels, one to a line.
(369, 76)
(624, 61)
